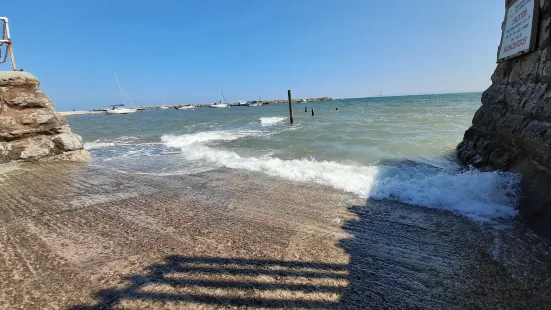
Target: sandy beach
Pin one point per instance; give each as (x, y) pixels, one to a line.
(82, 237)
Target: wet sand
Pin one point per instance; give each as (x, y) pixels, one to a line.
(84, 237)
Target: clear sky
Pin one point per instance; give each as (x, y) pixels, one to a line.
(183, 51)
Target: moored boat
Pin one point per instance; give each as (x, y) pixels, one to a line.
(119, 108)
(116, 109)
(218, 105)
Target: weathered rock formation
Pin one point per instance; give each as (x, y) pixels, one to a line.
(30, 129)
(512, 129)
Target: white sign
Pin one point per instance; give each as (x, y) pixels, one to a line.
(518, 36)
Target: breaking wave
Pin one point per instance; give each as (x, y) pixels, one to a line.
(477, 195)
(97, 145)
(267, 121)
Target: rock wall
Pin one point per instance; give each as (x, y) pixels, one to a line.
(512, 129)
(30, 129)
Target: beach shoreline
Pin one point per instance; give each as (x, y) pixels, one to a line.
(67, 113)
(78, 236)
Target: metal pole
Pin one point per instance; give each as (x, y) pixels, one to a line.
(12, 57)
(10, 48)
(8, 41)
(290, 107)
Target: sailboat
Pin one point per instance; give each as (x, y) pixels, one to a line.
(239, 104)
(255, 103)
(220, 104)
(118, 108)
(164, 106)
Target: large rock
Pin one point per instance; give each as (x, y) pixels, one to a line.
(512, 129)
(68, 142)
(30, 129)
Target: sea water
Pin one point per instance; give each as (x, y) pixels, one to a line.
(387, 148)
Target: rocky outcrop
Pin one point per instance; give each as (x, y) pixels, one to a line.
(512, 129)
(30, 129)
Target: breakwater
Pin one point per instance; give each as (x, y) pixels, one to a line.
(263, 102)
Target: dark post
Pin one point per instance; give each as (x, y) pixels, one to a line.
(312, 111)
(290, 107)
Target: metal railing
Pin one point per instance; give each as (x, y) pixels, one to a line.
(5, 39)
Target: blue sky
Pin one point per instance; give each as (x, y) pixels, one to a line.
(183, 51)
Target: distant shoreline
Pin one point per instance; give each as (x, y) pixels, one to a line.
(204, 105)
(263, 102)
(66, 113)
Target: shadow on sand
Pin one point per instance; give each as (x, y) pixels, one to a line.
(232, 282)
(400, 257)
(397, 255)
(393, 263)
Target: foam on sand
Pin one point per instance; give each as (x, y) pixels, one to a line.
(477, 195)
(97, 145)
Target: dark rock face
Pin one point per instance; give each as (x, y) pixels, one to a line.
(512, 129)
(30, 129)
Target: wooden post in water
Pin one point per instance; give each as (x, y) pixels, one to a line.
(290, 107)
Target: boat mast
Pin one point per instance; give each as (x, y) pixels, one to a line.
(120, 89)
(222, 93)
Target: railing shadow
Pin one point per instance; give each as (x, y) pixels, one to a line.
(232, 282)
(400, 257)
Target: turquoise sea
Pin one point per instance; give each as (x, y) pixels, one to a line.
(386, 148)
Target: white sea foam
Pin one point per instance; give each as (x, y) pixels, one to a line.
(267, 121)
(205, 136)
(97, 145)
(478, 195)
(103, 143)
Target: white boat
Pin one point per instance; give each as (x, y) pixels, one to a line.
(219, 105)
(164, 106)
(256, 103)
(239, 104)
(186, 107)
(119, 108)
